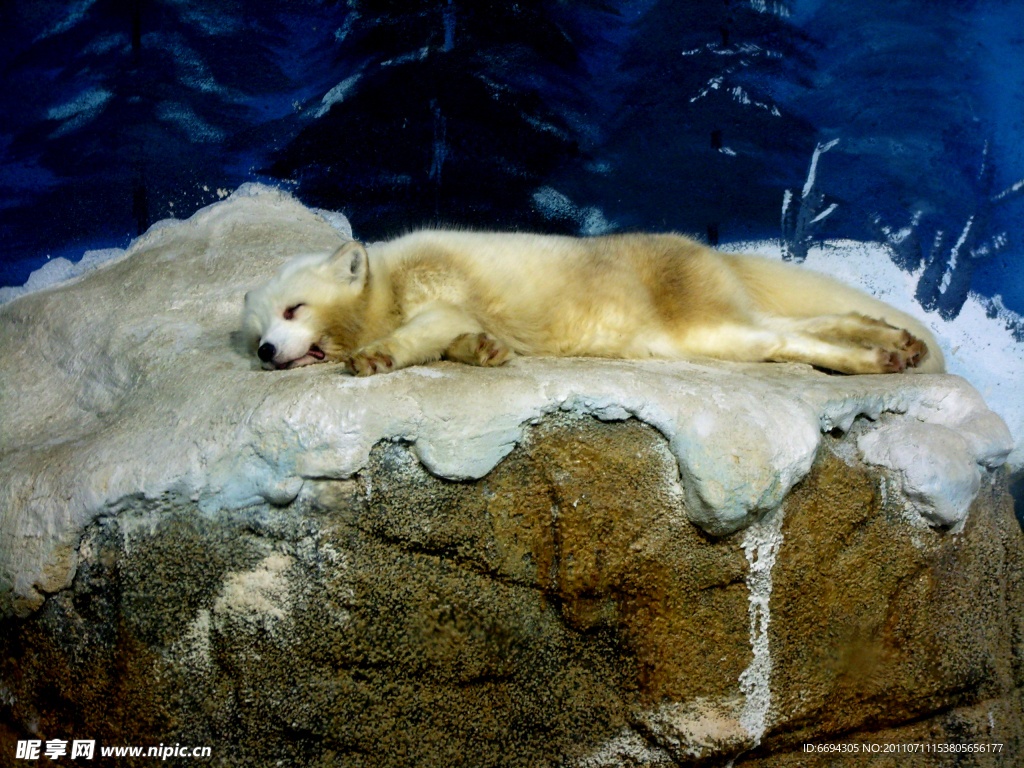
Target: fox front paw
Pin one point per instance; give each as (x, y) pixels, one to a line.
(367, 362)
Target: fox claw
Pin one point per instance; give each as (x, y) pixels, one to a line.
(369, 363)
(478, 349)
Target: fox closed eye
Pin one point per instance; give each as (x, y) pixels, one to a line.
(289, 313)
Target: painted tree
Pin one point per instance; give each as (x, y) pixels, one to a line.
(448, 112)
(913, 167)
(704, 140)
(139, 113)
(801, 214)
(953, 254)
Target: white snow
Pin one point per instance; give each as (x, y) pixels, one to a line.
(555, 204)
(947, 278)
(812, 171)
(59, 270)
(1017, 186)
(775, 8)
(79, 111)
(417, 55)
(74, 14)
(190, 67)
(713, 85)
(627, 747)
(336, 220)
(824, 214)
(740, 95)
(89, 100)
(147, 396)
(184, 117)
(337, 94)
(939, 483)
(761, 543)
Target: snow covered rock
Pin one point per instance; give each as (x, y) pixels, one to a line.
(554, 562)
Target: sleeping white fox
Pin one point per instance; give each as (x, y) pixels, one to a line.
(482, 297)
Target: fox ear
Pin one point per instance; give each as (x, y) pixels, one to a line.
(349, 263)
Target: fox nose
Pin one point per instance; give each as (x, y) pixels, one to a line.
(266, 352)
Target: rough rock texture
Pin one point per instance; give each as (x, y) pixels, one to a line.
(553, 563)
(556, 612)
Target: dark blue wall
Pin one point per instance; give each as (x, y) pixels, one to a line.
(701, 116)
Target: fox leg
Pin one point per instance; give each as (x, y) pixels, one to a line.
(860, 330)
(752, 343)
(434, 331)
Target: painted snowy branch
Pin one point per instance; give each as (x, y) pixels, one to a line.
(946, 280)
(800, 215)
(904, 241)
(1009, 192)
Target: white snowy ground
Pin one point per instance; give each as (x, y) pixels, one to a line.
(978, 347)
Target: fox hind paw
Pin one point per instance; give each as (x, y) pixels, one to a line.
(915, 350)
(898, 361)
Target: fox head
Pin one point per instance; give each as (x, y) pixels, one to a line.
(311, 311)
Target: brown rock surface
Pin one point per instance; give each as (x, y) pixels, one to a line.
(562, 610)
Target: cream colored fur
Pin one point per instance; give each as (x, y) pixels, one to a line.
(481, 297)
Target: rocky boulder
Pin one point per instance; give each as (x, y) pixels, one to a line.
(553, 563)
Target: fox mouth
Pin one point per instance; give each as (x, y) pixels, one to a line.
(314, 355)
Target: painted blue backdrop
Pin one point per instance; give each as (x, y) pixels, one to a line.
(899, 121)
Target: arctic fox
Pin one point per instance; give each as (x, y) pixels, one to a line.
(482, 297)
